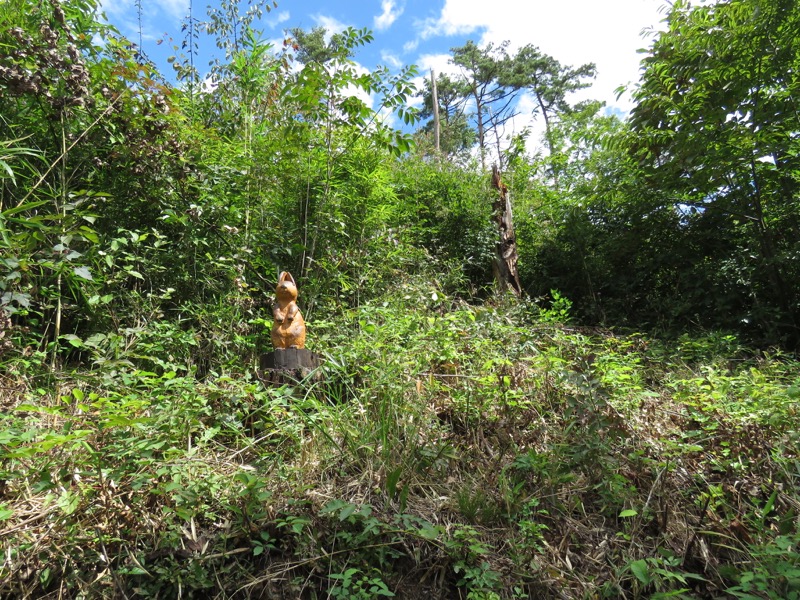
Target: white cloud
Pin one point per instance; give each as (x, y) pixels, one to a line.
(124, 14)
(330, 24)
(411, 46)
(178, 9)
(440, 63)
(391, 59)
(389, 15)
(281, 17)
(416, 101)
(574, 32)
(388, 118)
(525, 120)
(116, 8)
(454, 19)
(209, 85)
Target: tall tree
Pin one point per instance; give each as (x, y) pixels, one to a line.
(484, 80)
(550, 83)
(311, 46)
(716, 125)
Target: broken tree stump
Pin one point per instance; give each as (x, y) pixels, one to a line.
(505, 261)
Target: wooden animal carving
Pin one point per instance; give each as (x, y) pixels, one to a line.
(289, 328)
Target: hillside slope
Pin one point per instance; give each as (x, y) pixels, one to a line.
(449, 451)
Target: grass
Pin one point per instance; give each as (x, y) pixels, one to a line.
(449, 451)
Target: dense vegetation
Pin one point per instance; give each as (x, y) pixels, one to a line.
(628, 429)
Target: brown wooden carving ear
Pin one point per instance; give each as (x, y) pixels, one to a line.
(286, 275)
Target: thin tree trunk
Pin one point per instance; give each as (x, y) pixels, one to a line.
(481, 132)
(548, 134)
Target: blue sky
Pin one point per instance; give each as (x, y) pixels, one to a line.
(606, 32)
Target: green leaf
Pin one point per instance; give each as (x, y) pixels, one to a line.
(8, 170)
(429, 531)
(83, 273)
(73, 340)
(24, 300)
(640, 571)
(348, 510)
(770, 505)
(68, 502)
(89, 234)
(628, 513)
(392, 479)
(23, 207)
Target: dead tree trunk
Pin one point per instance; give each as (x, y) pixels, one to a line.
(505, 261)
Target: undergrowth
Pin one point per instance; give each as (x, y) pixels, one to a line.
(447, 451)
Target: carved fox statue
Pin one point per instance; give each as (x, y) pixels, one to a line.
(289, 328)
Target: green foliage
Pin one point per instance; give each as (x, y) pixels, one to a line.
(427, 397)
(453, 443)
(559, 309)
(681, 217)
(531, 528)
(664, 576)
(474, 572)
(715, 101)
(774, 574)
(456, 136)
(444, 210)
(353, 584)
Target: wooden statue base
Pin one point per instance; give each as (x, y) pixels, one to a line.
(287, 365)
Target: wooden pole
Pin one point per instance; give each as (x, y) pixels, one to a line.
(435, 110)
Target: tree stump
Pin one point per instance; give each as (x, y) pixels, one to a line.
(287, 365)
(505, 262)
